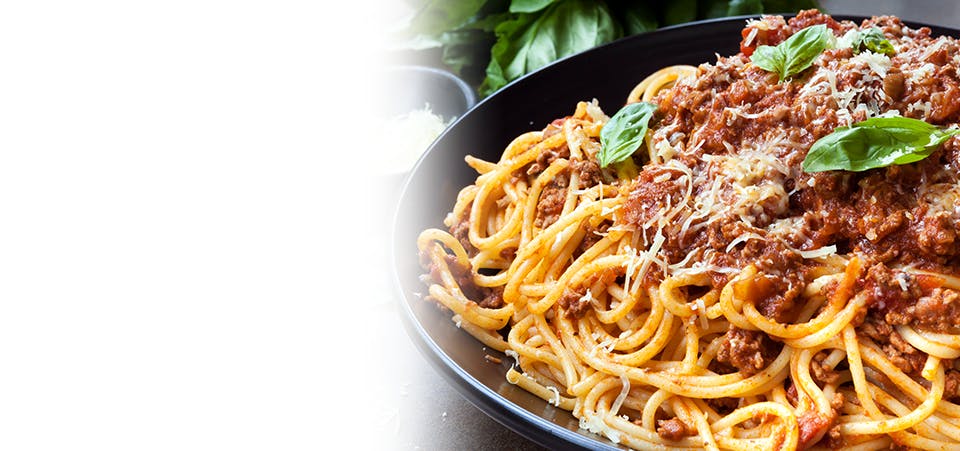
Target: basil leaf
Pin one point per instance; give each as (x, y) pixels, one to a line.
(801, 49)
(679, 11)
(435, 17)
(875, 143)
(874, 41)
(622, 135)
(769, 59)
(744, 7)
(637, 16)
(530, 41)
(795, 54)
(459, 52)
(712, 9)
(529, 6)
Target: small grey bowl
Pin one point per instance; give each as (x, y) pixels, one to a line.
(408, 87)
(405, 88)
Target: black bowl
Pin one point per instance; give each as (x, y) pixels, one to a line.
(606, 73)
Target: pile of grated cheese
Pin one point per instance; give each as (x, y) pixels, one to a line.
(405, 137)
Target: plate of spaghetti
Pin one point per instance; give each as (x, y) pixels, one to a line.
(737, 234)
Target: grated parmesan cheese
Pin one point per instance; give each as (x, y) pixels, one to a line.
(817, 253)
(556, 396)
(405, 137)
(877, 62)
(595, 424)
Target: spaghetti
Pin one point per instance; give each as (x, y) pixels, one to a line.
(708, 293)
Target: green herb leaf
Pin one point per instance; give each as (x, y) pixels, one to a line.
(637, 16)
(744, 7)
(622, 135)
(711, 9)
(875, 143)
(459, 52)
(530, 41)
(529, 6)
(436, 16)
(795, 54)
(769, 58)
(679, 11)
(874, 41)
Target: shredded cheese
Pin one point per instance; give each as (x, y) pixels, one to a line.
(624, 391)
(817, 253)
(595, 424)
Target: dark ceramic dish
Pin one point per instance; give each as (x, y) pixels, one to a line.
(606, 73)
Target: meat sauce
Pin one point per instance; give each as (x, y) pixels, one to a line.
(890, 216)
(893, 217)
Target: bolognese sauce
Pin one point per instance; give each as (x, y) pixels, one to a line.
(719, 258)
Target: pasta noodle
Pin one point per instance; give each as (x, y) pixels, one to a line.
(719, 297)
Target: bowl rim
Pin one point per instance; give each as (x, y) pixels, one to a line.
(469, 95)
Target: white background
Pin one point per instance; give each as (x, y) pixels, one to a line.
(181, 215)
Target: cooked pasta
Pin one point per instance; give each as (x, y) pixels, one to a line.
(707, 292)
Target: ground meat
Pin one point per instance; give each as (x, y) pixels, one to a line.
(910, 363)
(938, 235)
(833, 439)
(588, 171)
(902, 309)
(772, 31)
(551, 202)
(877, 214)
(792, 395)
(888, 225)
(574, 302)
(900, 353)
(946, 102)
(775, 295)
(938, 312)
(811, 17)
(483, 296)
(461, 231)
(884, 289)
(821, 373)
(815, 427)
(593, 235)
(674, 429)
(654, 189)
(546, 158)
(951, 388)
(493, 298)
(748, 351)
